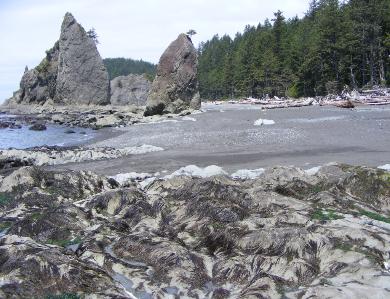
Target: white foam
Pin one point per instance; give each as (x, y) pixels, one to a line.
(385, 167)
(197, 111)
(143, 149)
(313, 170)
(157, 121)
(319, 119)
(262, 122)
(189, 118)
(247, 174)
(132, 176)
(193, 170)
(143, 184)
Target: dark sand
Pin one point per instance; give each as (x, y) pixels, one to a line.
(304, 137)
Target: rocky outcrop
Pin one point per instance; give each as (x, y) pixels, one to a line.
(71, 73)
(286, 234)
(61, 155)
(175, 87)
(95, 116)
(39, 84)
(129, 90)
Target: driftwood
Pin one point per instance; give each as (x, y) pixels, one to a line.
(344, 104)
(373, 97)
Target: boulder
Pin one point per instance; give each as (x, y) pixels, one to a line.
(38, 127)
(129, 90)
(71, 73)
(175, 87)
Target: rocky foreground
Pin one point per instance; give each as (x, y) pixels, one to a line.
(285, 234)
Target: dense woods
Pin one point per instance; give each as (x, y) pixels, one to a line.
(336, 44)
(125, 66)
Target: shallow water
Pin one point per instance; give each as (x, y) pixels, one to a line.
(54, 135)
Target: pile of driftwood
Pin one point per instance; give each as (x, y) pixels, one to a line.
(375, 97)
(279, 102)
(379, 96)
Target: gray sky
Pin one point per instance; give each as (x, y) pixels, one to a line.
(131, 29)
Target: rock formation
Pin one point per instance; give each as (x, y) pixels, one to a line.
(286, 234)
(175, 87)
(39, 84)
(129, 90)
(82, 77)
(71, 73)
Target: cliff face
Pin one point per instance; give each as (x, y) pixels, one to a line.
(175, 87)
(129, 90)
(71, 73)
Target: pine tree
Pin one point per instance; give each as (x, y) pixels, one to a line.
(335, 44)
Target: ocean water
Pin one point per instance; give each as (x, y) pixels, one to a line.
(54, 135)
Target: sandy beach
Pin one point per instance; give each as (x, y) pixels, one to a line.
(226, 135)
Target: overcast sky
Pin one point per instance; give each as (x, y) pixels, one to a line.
(131, 29)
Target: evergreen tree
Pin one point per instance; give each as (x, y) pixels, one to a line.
(125, 66)
(336, 43)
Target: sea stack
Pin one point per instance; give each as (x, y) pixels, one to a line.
(175, 87)
(71, 73)
(82, 76)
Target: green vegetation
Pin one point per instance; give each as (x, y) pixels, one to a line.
(91, 33)
(325, 281)
(5, 225)
(344, 246)
(324, 215)
(37, 216)
(64, 243)
(125, 66)
(336, 43)
(316, 189)
(191, 32)
(371, 254)
(4, 199)
(385, 177)
(374, 216)
(43, 66)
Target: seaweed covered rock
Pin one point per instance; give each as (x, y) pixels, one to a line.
(285, 234)
(175, 87)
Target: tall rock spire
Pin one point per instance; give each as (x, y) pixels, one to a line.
(82, 77)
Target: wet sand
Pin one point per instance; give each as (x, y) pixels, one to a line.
(225, 135)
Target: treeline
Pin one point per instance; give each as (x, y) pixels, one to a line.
(335, 44)
(125, 66)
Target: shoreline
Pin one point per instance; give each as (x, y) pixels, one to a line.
(229, 138)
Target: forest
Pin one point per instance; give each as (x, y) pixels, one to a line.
(335, 45)
(125, 66)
